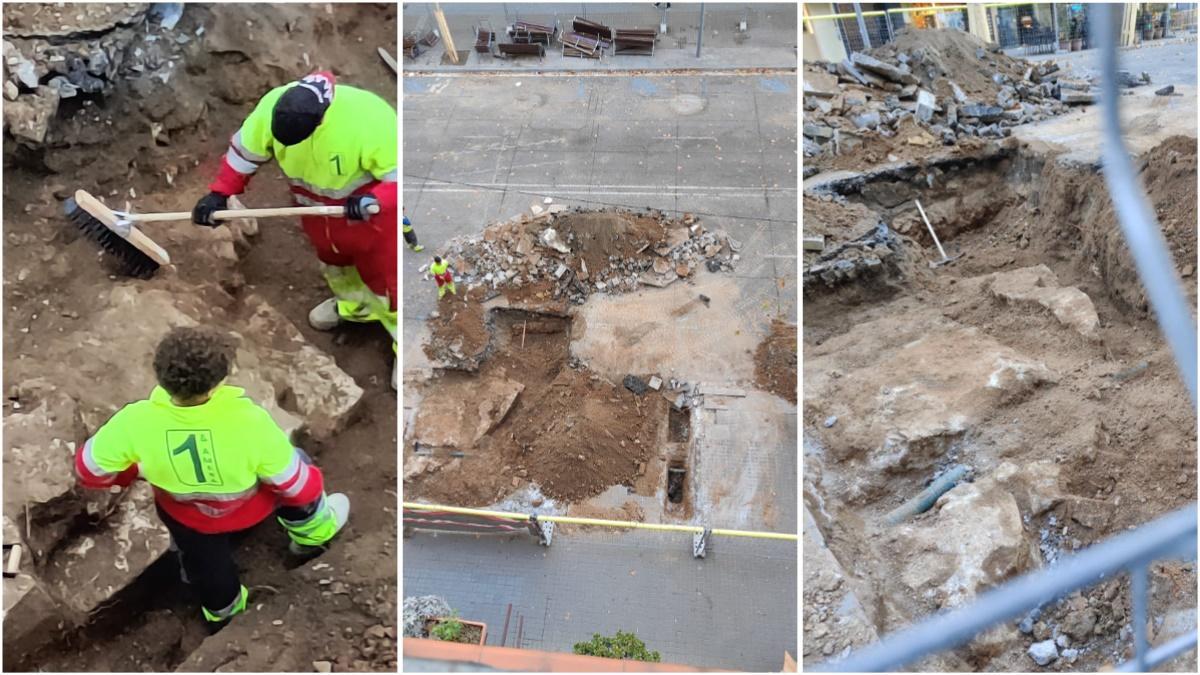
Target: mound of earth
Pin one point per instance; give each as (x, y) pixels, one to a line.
(775, 361)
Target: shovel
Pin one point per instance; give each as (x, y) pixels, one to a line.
(946, 260)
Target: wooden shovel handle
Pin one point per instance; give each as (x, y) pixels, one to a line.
(228, 214)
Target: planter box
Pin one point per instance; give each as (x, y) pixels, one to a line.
(1076, 44)
(467, 625)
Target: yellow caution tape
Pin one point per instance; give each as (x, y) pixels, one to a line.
(571, 520)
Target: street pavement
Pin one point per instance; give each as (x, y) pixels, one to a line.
(734, 609)
(769, 40)
(481, 148)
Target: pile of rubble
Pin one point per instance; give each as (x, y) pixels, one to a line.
(868, 254)
(578, 252)
(912, 87)
(58, 52)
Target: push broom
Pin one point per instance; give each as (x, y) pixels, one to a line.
(137, 253)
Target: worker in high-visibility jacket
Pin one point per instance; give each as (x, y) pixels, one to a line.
(218, 464)
(410, 237)
(337, 145)
(442, 276)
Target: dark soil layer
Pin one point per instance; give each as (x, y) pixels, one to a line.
(775, 361)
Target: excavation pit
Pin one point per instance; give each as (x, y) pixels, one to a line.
(679, 424)
(1022, 359)
(566, 375)
(676, 483)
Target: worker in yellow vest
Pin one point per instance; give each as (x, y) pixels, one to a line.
(337, 146)
(218, 464)
(410, 237)
(443, 277)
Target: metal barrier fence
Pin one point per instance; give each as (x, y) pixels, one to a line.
(1183, 21)
(440, 518)
(1172, 536)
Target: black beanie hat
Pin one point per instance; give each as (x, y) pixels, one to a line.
(297, 114)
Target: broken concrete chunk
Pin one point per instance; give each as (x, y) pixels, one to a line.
(867, 120)
(655, 383)
(817, 131)
(1072, 97)
(549, 239)
(1043, 653)
(959, 95)
(1166, 91)
(885, 69)
(926, 104)
(635, 384)
(847, 68)
(820, 84)
(450, 417)
(985, 113)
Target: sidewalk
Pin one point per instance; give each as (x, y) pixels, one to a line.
(770, 40)
(736, 609)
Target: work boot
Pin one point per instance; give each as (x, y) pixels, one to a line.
(325, 315)
(340, 505)
(416, 248)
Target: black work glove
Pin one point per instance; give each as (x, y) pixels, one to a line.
(356, 207)
(209, 204)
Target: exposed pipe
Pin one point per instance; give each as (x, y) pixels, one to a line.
(700, 32)
(927, 497)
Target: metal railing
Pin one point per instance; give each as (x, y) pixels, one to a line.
(1173, 535)
(442, 518)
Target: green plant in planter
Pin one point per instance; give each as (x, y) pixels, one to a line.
(448, 630)
(620, 646)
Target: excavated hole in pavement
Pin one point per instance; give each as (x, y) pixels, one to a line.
(676, 481)
(1013, 211)
(679, 424)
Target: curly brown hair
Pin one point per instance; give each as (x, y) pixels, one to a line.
(192, 361)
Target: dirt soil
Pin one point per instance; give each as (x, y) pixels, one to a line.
(601, 234)
(341, 607)
(1075, 428)
(775, 361)
(569, 430)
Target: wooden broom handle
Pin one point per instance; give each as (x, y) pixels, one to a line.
(229, 214)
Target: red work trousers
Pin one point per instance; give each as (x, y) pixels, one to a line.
(369, 246)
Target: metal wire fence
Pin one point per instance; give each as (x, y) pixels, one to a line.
(1172, 536)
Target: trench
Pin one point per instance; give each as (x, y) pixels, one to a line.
(1118, 435)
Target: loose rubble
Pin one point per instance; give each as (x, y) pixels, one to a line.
(933, 88)
(578, 252)
(49, 57)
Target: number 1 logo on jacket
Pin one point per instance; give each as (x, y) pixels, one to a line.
(194, 457)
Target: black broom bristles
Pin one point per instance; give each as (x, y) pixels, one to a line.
(131, 260)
